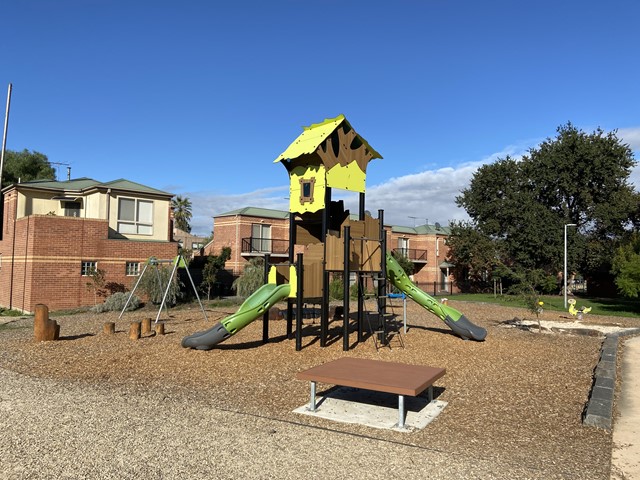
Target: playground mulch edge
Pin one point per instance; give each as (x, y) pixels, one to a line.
(518, 397)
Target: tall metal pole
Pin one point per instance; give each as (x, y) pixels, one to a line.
(565, 261)
(4, 134)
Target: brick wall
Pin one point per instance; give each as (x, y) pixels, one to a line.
(42, 257)
(229, 232)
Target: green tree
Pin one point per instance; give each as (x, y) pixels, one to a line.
(574, 178)
(24, 166)
(626, 267)
(181, 207)
(214, 264)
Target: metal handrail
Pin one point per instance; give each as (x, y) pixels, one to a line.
(412, 254)
(265, 245)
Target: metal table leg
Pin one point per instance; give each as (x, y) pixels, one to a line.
(312, 402)
(400, 411)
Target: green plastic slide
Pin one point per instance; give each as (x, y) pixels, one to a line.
(455, 320)
(253, 307)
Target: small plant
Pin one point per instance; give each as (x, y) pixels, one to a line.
(533, 303)
(96, 283)
(116, 303)
(336, 288)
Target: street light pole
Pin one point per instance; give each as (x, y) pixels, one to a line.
(565, 261)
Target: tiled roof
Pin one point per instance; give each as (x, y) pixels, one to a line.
(256, 212)
(85, 183)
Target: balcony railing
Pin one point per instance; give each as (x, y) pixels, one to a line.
(413, 254)
(272, 246)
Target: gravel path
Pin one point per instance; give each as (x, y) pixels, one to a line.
(56, 430)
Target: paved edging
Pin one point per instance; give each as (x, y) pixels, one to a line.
(599, 410)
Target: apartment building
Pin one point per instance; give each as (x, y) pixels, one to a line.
(251, 232)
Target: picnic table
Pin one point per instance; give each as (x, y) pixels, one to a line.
(389, 377)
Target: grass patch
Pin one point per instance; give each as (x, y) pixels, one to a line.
(5, 312)
(599, 306)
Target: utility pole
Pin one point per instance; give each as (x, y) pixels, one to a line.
(4, 135)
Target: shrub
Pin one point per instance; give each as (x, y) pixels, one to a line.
(154, 283)
(252, 278)
(116, 303)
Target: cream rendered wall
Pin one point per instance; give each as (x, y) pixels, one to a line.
(95, 206)
(37, 203)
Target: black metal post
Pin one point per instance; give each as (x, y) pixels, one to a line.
(300, 299)
(324, 308)
(265, 316)
(292, 243)
(359, 278)
(347, 276)
(382, 281)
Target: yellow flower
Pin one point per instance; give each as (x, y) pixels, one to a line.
(540, 303)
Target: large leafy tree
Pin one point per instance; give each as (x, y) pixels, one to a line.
(575, 178)
(181, 207)
(24, 166)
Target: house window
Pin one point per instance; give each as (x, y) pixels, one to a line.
(306, 190)
(196, 245)
(88, 267)
(260, 237)
(72, 209)
(133, 269)
(135, 216)
(403, 246)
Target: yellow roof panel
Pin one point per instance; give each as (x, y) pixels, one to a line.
(313, 135)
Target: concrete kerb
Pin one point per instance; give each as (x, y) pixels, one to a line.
(599, 409)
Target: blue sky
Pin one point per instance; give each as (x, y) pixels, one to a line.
(198, 97)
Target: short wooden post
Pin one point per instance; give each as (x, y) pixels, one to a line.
(146, 326)
(44, 329)
(134, 330)
(159, 328)
(109, 328)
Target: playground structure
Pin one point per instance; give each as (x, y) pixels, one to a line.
(326, 240)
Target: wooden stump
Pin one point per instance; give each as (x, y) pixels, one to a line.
(159, 328)
(44, 329)
(146, 326)
(109, 328)
(134, 330)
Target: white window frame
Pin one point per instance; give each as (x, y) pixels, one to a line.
(87, 266)
(136, 225)
(132, 269)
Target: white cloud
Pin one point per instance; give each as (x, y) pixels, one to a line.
(208, 204)
(630, 136)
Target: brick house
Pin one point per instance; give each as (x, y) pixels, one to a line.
(54, 234)
(250, 232)
(254, 231)
(188, 241)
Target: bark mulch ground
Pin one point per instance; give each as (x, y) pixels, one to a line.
(517, 397)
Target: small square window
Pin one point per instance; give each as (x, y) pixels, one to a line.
(88, 267)
(306, 190)
(133, 269)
